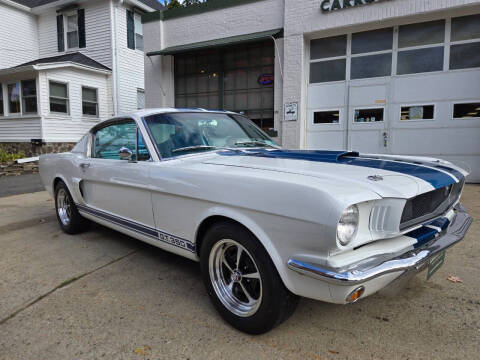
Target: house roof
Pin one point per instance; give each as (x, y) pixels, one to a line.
(76, 57)
(154, 4)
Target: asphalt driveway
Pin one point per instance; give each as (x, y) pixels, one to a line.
(103, 295)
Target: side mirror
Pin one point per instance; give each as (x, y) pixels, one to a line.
(125, 154)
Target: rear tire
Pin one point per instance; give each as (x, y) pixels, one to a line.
(68, 216)
(247, 290)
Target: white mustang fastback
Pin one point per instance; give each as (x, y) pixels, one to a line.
(266, 224)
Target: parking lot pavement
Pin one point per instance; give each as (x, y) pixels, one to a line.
(22, 184)
(103, 295)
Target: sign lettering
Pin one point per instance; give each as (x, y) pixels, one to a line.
(333, 5)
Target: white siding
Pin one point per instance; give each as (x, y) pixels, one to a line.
(130, 67)
(97, 30)
(64, 128)
(20, 129)
(18, 36)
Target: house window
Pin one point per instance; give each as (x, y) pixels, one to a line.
(134, 31)
(417, 112)
(72, 31)
(58, 97)
(138, 32)
(13, 92)
(326, 117)
(89, 101)
(1, 100)
(368, 115)
(465, 111)
(140, 99)
(417, 47)
(29, 96)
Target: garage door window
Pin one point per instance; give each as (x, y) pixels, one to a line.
(466, 111)
(368, 115)
(465, 42)
(326, 117)
(421, 47)
(417, 112)
(328, 59)
(372, 54)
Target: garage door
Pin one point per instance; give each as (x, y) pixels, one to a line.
(411, 89)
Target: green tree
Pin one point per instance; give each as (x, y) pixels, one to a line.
(172, 4)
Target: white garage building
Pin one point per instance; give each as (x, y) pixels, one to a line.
(392, 76)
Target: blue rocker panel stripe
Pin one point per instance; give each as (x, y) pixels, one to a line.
(436, 178)
(140, 228)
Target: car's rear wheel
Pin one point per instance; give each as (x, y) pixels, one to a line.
(68, 216)
(242, 281)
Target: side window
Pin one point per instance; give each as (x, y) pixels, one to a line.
(110, 139)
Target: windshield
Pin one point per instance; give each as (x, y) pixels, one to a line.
(183, 133)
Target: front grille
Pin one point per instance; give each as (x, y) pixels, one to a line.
(429, 205)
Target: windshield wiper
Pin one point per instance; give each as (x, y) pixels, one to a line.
(256, 143)
(196, 147)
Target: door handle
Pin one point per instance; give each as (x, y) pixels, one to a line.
(84, 166)
(385, 139)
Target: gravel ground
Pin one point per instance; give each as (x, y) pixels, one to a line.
(103, 295)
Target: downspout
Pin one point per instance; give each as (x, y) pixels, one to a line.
(113, 11)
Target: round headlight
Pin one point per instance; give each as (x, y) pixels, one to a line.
(347, 225)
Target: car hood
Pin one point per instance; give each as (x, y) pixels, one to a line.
(398, 177)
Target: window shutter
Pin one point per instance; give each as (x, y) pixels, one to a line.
(130, 30)
(60, 36)
(81, 28)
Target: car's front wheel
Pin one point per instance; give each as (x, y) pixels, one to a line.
(68, 216)
(242, 281)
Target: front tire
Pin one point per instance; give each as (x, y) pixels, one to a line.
(242, 280)
(68, 216)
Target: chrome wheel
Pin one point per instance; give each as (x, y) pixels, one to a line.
(64, 207)
(235, 277)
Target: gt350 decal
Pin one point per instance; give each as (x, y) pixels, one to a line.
(140, 228)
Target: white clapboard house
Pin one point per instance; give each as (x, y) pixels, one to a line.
(65, 66)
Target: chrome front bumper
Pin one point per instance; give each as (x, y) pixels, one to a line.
(414, 260)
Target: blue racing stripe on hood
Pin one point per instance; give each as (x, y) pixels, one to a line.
(436, 178)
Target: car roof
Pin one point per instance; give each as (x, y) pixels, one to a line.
(153, 111)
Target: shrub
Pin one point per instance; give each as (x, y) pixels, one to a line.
(7, 157)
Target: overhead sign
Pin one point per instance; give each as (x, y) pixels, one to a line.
(332, 5)
(265, 79)
(290, 111)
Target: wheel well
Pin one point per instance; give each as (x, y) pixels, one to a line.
(55, 182)
(206, 224)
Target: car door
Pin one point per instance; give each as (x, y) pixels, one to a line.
(117, 190)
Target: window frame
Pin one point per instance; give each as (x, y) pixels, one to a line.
(97, 115)
(340, 115)
(65, 32)
(457, 42)
(435, 107)
(367, 108)
(135, 33)
(2, 101)
(19, 113)
(29, 96)
(67, 85)
(93, 133)
(452, 110)
(139, 90)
